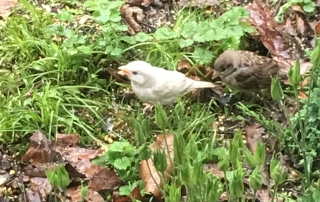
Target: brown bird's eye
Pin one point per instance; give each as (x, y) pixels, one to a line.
(134, 73)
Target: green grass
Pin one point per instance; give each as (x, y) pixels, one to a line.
(49, 80)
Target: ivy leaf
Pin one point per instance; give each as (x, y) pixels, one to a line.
(188, 29)
(122, 163)
(142, 37)
(202, 56)
(185, 42)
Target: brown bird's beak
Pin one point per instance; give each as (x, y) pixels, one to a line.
(124, 71)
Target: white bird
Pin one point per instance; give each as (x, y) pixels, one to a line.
(155, 85)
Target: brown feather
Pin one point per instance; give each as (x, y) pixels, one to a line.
(246, 71)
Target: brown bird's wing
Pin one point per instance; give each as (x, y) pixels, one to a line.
(254, 73)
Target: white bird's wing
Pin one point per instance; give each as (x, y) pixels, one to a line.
(171, 84)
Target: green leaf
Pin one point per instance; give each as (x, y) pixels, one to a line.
(211, 35)
(142, 37)
(188, 29)
(121, 146)
(198, 37)
(122, 163)
(185, 43)
(64, 15)
(202, 56)
(294, 74)
(101, 16)
(144, 152)
(161, 117)
(276, 89)
(160, 160)
(126, 190)
(164, 33)
(128, 39)
(255, 179)
(309, 7)
(100, 160)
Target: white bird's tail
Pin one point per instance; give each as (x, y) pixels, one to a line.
(202, 84)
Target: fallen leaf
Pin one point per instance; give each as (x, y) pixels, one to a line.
(128, 14)
(74, 193)
(104, 179)
(253, 135)
(214, 169)
(40, 186)
(317, 29)
(33, 196)
(41, 150)
(5, 6)
(67, 140)
(150, 176)
(286, 41)
(302, 95)
(264, 195)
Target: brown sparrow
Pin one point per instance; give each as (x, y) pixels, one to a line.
(157, 85)
(246, 71)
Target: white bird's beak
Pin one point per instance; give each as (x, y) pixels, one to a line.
(124, 71)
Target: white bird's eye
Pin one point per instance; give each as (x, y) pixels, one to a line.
(134, 73)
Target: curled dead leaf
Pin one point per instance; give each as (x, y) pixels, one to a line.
(129, 13)
(151, 177)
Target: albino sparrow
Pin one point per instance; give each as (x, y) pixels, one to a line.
(157, 85)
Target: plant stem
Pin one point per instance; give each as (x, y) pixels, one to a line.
(158, 186)
(274, 192)
(302, 143)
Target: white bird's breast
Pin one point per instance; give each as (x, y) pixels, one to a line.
(144, 93)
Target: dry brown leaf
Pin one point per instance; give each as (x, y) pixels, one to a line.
(41, 186)
(263, 195)
(317, 29)
(41, 150)
(302, 95)
(74, 193)
(77, 162)
(5, 6)
(104, 179)
(278, 38)
(214, 169)
(67, 140)
(151, 177)
(261, 17)
(128, 14)
(33, 196)
(253, 135)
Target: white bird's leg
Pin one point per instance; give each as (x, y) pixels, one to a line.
(148, 107)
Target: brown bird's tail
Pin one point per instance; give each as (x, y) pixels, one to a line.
(202, 84)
